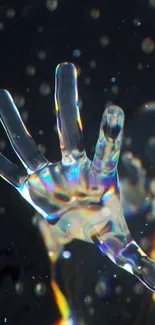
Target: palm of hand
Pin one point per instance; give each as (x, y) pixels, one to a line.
(80, 197)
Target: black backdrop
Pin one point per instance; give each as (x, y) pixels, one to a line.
(112, 44)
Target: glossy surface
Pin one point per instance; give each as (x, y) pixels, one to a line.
(79, 197)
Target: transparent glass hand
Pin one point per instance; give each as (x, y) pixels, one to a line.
(79, 197)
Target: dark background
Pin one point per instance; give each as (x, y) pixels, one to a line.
(114, 42)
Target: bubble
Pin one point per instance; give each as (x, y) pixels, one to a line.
(147, 45)
(76, 53)
(41, 55)
(30, 70)
(19, 287)
(45, 89)
(10, 13)
(100, 288)
(104, 41)
(95, 13)
(19, 100)
(51, 5)
(2, 144)
(40, 289)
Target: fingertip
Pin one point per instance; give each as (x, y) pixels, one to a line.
(112, 122)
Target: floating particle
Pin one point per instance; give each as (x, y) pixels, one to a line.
(51, 5)
(1, 25)
(118, 290)
(128, 299)
(35, 219)
(66, 254)
(2, 144)
(10, 13)
(95, 13)
(92, 64)
(19, 287)
(145, 243)
(104, 41)
(41, 55)
(24, 115)
(45, 89)
(42, 148)
(127, 141)
(30, 70)
(138, 288)
(149, 107)
(147, 45)
(140, 66)
(19, 100)
(40, 289)
(88, 300)
(100, 288)
(87, 81)
(76, 53)
(80, 102)
(5, 320)
(40, 29)
(40, 132)
(2, 210)
(115, 89)
(113, 79)
(152, 3)
(91, 311)
(137, 22)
